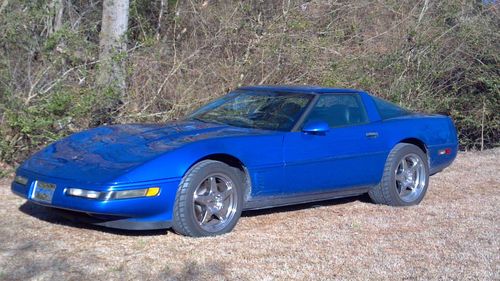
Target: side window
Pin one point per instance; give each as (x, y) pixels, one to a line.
(388, 109)
(339, 110)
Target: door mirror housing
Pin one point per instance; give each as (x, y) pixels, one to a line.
(316, 127)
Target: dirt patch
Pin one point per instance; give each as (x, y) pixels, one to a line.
(453, 234)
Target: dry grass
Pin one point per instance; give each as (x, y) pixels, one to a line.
(453, 234)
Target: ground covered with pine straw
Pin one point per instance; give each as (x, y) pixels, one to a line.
(452, 234)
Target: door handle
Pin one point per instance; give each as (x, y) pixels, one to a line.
(372, 135)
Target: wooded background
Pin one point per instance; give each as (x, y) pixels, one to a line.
(61, 69)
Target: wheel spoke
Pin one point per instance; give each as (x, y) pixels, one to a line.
(226, 193)
(220, 215)
(414, 167)
(203, 199)
(213, 185)
(403, 190)
(404, 165)
(411, 186)
(207, 215)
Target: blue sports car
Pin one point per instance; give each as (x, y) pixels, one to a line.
(257, 147)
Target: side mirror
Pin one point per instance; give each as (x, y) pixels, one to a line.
(316, 127)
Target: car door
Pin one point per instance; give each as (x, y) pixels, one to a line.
(349, 154)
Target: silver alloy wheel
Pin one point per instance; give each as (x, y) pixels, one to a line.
(410, 175)
(215, 202)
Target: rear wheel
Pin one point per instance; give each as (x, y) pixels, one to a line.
(405, 179)
(209, 200)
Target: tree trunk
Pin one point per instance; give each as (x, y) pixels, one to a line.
(54, 19)
(113, 46)
(58, 14)
(4, 4)
(111, 76)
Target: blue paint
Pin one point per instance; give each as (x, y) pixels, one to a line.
(310, 159)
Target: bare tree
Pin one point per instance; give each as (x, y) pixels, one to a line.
(113, 45)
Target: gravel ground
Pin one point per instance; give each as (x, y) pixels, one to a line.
(452, 234)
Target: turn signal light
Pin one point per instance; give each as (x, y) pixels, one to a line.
(152, 191)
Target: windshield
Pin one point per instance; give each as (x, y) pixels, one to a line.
(260, 110)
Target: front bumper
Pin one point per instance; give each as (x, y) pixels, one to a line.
(134, 213)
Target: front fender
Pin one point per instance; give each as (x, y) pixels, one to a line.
(254, 152)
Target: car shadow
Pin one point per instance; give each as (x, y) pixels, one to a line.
(54, 216)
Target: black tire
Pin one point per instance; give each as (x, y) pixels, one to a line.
(390, 191)
(187, 211)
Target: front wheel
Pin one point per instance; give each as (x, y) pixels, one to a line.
(209, 200)
(405, 179)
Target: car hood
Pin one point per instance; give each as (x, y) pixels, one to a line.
(102, 154)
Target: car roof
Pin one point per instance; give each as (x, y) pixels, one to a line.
(298, 89)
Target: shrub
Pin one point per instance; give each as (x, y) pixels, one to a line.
(433, 56)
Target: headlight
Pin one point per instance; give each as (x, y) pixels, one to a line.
(21, 180)
(91, 194)
(110, 195)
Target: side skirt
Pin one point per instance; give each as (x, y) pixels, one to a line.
(277, 201)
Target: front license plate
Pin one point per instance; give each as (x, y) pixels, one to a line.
(43, 191)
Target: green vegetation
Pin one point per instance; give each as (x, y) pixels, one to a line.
(432, 56)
